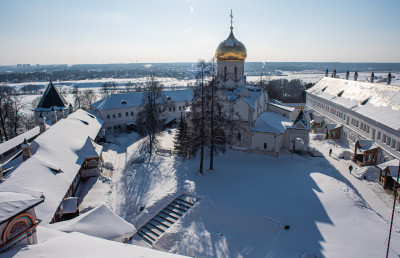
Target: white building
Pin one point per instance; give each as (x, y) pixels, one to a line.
(264, 125)
(119, 111)
(361, 111)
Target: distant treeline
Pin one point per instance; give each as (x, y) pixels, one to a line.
(286, 91)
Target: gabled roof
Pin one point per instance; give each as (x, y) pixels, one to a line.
(55, 161)
(51, 98)
(301, 121)
(379, 102)
(134, 99)
(270, 122)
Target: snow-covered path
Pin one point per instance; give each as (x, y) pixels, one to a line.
(363, 189)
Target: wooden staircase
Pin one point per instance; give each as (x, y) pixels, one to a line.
(151, 231)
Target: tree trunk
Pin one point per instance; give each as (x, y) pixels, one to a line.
(212, 129)
(202, 123)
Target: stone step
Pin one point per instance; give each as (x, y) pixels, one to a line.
(146, 238)
(166, 218)
(178, 206)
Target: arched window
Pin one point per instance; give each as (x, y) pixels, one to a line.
(239, 136)
(225, 73)
(265, 145)
(236, 76)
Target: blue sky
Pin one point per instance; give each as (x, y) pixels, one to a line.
(97, 31)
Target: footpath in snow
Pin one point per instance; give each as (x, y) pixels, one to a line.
(342, 166)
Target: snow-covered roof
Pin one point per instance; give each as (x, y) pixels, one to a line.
(270, 122)
(379, 102)
(284, 107)
(53, 243)
(134, 99)
(90, 149)
(113, 227)
(331, 127)
(14, 142)
(55, 161)
(12, 203)
(366, 145)
(393, 166)
(318, 119)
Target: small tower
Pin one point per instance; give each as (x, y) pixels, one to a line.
(355, 76)
(53, 115)
(42, 123)
(372, 76)
(347, 74)
(70, 109)
(389, 79)
(26, 150)
(334, 73)
(326, 72)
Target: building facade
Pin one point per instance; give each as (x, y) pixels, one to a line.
(362, 111)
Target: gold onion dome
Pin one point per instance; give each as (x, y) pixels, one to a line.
(231, 49)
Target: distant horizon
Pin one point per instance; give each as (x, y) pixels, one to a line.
(189, 62)
(175, 31)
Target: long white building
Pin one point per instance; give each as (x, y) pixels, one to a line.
(363, 111)
(119, 111)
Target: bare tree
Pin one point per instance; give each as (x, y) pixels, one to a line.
(90, 98)
(150, 119)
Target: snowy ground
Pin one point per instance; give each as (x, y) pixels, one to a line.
(246, 202)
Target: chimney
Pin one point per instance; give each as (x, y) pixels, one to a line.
(42, 123)
(326, 72)
(347, 74)
(26, 150)
(70, 109)
(53, 115)
(334, 73)
(372, 76)
(355, 76)
(389, 79)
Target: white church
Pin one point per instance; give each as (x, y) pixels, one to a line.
(264, 125)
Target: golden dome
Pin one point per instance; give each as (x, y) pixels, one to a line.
(231, 49)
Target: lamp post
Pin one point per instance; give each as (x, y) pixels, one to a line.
(394, 205)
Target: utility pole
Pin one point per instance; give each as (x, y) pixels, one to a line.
(394, 205)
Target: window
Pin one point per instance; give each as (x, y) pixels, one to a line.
(113, 115)
(169, 109)
(340, 93)
(236, 75)
(379, 135)
(131, 113)
(174, 108)
(265, 145)
(384, 138)
(127, 114)
(108, 116)
(123, 102)
(119, 114)
(225, 73)
(119, 127)
(393, 143)
(115, 127)
(179, 107)
(109, 128)
(239, 136)
(388, 140)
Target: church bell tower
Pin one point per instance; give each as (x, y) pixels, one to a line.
(230, 55)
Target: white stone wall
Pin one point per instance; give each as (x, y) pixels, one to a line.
(230, 70)
(357, 127)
